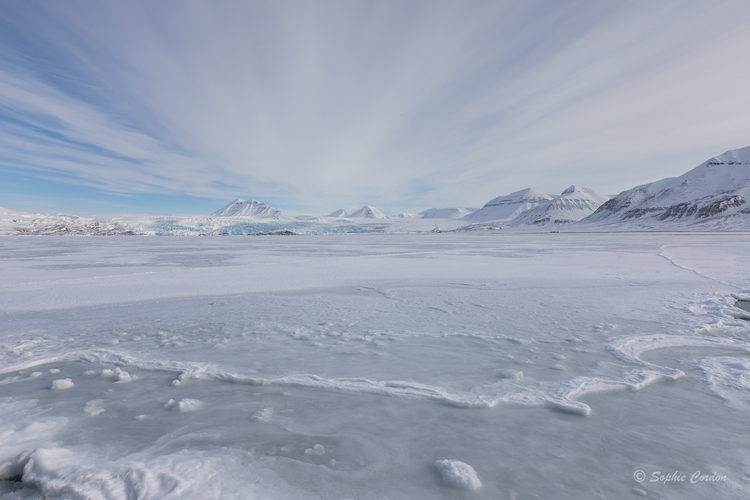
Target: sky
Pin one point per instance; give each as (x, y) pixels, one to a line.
(311, 106)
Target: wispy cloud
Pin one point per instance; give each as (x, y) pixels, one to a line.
(403, 105)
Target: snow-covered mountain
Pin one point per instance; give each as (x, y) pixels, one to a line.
(510, 206)
(365, 212)
(248, 208)
(447, 213)
(574, 204)
(717, 189)
(339, 213)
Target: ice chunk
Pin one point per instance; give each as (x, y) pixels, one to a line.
(92, 408)
(512, 374)
(60, 384)
(54, 371)
(187, 404)
(11, 471)
(458, 474)
(318, 449)
(123, 376)
(263, 415)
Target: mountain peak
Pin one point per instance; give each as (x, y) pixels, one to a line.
(247, 208)
(529, 194)
(366, 212)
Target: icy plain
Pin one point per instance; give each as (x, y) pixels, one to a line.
(484, 365)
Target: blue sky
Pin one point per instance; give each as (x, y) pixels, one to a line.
(182, 106)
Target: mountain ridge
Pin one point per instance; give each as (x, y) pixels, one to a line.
(572, 205)
(719, 186)
(508, 207)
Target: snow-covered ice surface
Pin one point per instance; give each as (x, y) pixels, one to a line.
(333, 367)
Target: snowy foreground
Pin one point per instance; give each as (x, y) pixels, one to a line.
(457, 365)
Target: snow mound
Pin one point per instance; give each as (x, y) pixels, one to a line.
(187, 405)
(574, 204)
(365, 212)
(510, 206)
(458, 474)
(60, 384)
(316, 450)
(718, 188)
(248, 208)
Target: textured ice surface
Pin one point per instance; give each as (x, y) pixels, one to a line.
(557, 365)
